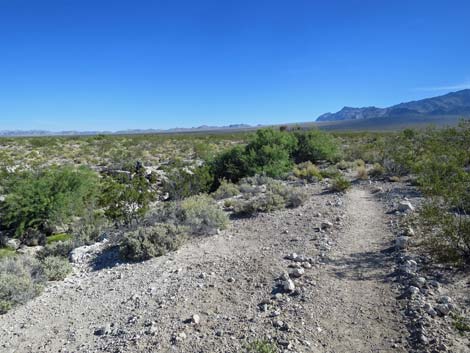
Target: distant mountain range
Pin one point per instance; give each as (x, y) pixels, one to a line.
(202, 128)
(451, 104)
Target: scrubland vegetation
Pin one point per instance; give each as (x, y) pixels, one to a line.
(156, 192)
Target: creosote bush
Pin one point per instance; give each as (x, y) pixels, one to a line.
(273, 152)
(147, 242)
(49, 196)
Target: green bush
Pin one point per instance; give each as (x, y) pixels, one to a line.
(272, 153)
(315, 145)
(340, 184)
(441, 164)
(56, 268)
(183, 182)
(148, 242)
(49, 196)
(126, 196)
(230, 165)
(21, 279)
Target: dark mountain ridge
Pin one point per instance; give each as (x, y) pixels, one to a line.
(454, 103)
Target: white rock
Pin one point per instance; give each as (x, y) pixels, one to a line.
(297, 272)
(404, 206)
(326, 225)
(288, 285)
(195, 319)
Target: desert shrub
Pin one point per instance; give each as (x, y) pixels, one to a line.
(294, 197)
(59, 248)
(270, 152)
(147, 242)
(49, 196)
(440, 161)
(266, 202)
(230, 165)
(56, 268)
(202, 215)
(266, 195)
(340, 184)
(126, 196)
(359, 163)
(308, 171)
(21, 279)
(376, 171)
(315, 145)
(330, 172)
(342, 165)
(184, 182)
(362, 173)
(226, 190)
(261, 346)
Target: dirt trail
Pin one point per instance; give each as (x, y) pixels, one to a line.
(362, 309)
(344, 303)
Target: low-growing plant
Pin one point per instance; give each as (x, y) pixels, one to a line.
(461, 323)
(330, 172)
(266, 195)
(261, 346)
(308, 171)
(56, 268)
(147, 242)
(362, 173)
(58, 237)
(21, 279)
(376, 171)
(343, 165)
(226, 190)
(340, 184)
(202, 215)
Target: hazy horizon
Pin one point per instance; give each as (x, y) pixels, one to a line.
(117, 65)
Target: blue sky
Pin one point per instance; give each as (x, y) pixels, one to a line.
(110, 65)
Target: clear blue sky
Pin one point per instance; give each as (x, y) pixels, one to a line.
(109, 65)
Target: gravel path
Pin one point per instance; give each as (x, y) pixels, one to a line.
(218, 293)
